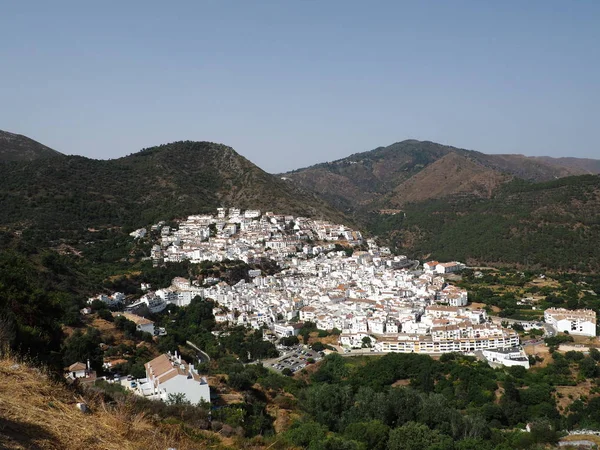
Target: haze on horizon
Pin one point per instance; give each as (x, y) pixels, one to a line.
(290, 84)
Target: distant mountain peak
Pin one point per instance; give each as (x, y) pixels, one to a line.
(413, 170)
(16, 147)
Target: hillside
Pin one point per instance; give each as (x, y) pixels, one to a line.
(553, 224)
(15, 147)
(72, 193)
(585, 165)
(389, 177)
(39, 413)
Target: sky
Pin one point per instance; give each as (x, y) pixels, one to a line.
(292, 83)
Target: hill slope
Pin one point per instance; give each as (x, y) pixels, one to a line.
(38, 413)
(15, 147)
(552, 225)
(585, 165)
(173, 180)
(379, 179)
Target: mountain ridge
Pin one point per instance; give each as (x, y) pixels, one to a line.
(16, 147)
(163, 182)
(371, 180)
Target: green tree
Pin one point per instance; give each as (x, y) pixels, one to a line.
(588, 367)
(80, 347)
(304, 434)
(373, 434)
(177, 399)
(417, 436)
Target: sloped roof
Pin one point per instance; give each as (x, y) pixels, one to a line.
(76, 367)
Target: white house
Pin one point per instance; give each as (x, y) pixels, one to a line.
(286, 329)
(77, 370)
(376, 326)
(430, 266)
(169, 374)
(137, 234)
(80, 371)
(307, 313)
(110, 300)
(454, 296)
(252, 213)
(141, 323)
(449, 267)
(391, 327)
(579, 322)
(507, 357)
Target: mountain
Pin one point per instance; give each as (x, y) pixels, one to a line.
(585, 165)
(432, 200)
(15, 147)
(408, 171)
(72, 193)
(553, 225)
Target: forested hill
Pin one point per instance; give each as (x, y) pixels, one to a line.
(173, 180)
(15, 147)
(552, 225)
(586, 165)
(412, 171)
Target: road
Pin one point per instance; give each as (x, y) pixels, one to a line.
(549, 331)
(203, 357)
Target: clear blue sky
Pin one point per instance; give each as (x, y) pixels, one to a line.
(292, 83)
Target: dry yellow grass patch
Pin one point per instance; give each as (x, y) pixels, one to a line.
(540, 350)
(582, 389)
(38, 413)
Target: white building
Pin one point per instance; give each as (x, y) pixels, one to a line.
(580, 322)
(109, 300)
(137, 234)
(286, 329)
(169, 374)
(80, 371)
(507, 357)
(449, 267)
(77, 370)
(454, 296)
(252, 213)
(154, 303)
(430, 266)
(141, 323)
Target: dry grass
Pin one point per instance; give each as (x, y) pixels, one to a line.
(475, 305)
(38, 413)
(328, 340)
(582, 389)
(540, 350)
(543, 282)
(582, 437)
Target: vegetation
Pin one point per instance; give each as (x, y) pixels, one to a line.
(543, 225)
(77, 199)
(453, 403)
(63, 239)
(14, 147)
(524, 295)
(38, 412)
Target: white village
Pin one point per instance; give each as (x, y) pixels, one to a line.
(328, 275)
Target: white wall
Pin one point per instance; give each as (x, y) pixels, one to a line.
(192, 389)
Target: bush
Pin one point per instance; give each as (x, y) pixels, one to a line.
(105, 314)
